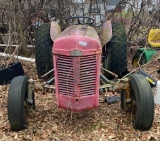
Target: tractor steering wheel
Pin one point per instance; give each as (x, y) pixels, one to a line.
(80, 20)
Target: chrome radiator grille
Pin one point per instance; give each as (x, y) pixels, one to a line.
(67, 75)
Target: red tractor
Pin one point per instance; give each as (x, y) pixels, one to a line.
(85, 62)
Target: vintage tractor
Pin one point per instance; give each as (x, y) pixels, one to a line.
(85, 61)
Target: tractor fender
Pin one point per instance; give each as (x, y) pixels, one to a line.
(106, 32)
(55, 30)
(148, 53)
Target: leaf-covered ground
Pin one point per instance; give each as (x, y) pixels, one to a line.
(49, 123)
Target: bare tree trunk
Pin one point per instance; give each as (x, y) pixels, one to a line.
(18, 21)
(60, 11)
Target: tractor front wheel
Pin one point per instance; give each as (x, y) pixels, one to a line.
(142, 103)
(16, 98)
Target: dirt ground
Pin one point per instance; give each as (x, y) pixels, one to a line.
(49, 123)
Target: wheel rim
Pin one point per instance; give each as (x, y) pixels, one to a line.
(139, 61)
(132, 106)
(135, 62)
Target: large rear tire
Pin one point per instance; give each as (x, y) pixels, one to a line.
(43, 44)
(142, 103)
(15, 104)
(116, 51)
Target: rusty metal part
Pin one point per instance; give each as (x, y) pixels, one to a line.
(51, 71)
(115, 75)
(126, 98)
(49, 86)
(124, 80)
(105, 79)
(128, 94)
(50, 80)
(105, 86)
(38, 86)
(121, 85)
(30, 98)
(124, 85)
(127, 89)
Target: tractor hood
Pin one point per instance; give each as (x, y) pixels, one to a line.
(77, 40)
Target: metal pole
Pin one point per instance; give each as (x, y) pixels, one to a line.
(50, 80)
(105, 79)
(115, 75)
(47, 73)
(30, 46)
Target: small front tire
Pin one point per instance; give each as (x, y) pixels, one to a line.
(16, 98)
(142, 103)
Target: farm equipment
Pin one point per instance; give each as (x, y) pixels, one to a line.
(85, 62)
(154, 38)
(143, 55)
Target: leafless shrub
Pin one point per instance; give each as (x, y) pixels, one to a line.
(135, 15)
